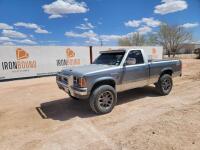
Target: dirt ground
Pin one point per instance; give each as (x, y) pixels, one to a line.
(35, 114)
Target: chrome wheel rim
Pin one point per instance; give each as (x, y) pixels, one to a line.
(105, 100)
(166, 84)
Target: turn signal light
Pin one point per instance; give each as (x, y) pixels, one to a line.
(82, 82)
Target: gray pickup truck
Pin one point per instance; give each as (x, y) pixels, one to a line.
(115, 71)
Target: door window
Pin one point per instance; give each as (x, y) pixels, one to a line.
(134, 57)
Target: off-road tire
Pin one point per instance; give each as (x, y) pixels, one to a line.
(164, 84)
(103, 93)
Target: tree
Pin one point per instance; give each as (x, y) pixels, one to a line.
(135, 40)
(124, 42)
(138, 39)
(172, 38)
(151, 39)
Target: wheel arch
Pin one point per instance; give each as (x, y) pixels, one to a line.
(168, 71)
(104, 81)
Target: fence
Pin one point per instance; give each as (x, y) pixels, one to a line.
(29, 61)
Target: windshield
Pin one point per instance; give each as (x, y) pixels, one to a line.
(110, 58)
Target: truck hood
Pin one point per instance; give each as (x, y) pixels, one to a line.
(86, 69)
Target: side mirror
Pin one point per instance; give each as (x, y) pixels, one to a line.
(130, 61)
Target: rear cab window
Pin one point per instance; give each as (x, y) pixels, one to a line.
(110, 58)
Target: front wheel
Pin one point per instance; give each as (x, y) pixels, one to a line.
(164, 84)
(103, 99)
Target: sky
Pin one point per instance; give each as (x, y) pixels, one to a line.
(90, 22)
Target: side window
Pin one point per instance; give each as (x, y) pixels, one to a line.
(135, 57)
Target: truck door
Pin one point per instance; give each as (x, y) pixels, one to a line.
(135, 71)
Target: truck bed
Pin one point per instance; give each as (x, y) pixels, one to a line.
(157, 66)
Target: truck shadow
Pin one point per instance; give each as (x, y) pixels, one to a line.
(65, 109)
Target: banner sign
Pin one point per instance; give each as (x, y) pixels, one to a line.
(28, 61)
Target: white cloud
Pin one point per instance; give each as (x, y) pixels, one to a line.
(4, 39)
(34, 26)
(195, 42)
(85, 26)
(151, 22)
(133, 23)
(42, 31)
(104, 38)
(4, 26)
(92, 40)
(144, 30)
(7, 44)
(129, 34)
(59, 8)
(86, 19)
(9, 41)
(27, 41)
(190, 25)
(92, 37)
(13, 34)
(32, 36)
(110, 37)
(55, 16)
(88, 34)
(26, 25)
(115, 37)
(170, 6)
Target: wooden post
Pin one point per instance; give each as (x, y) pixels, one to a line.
(91, 58)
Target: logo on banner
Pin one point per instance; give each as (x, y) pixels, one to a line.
(70, 53)
(154, 53)
(71, 59)
(22, 62)
(21, 54)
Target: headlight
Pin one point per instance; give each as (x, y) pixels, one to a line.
(80, 82)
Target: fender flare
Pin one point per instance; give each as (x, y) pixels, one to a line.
(102, 79)
(166, 69)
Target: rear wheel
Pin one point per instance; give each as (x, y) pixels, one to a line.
(103, 99)
(164, 84)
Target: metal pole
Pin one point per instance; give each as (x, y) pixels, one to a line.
(91, 55)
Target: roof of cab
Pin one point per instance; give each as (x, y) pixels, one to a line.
(118, 50)
(113, 51)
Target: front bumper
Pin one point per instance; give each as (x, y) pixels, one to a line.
(80, 93)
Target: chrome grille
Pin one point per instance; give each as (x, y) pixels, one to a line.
(62, 78)
(65, 80)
